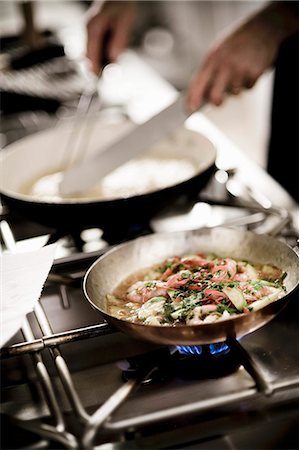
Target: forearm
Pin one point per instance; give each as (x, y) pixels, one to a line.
(279, 19)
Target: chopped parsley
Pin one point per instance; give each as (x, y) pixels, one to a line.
(150, 284)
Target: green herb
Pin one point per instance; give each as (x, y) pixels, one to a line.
(165, 266)
(149, 284)
(156, 299)
(217, 286)
(192, 301)
(168, 310)
(221, 308)
(258, 284)
(186, 274)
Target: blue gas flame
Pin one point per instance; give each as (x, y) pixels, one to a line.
(190, 349)
(214, 349)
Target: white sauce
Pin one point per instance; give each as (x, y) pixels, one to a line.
(169, 162)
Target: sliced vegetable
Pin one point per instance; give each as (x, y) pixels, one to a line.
(251, 272)
(236, 297)
(264, 301)
(152, 308)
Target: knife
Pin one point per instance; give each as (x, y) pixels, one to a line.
(86, 174)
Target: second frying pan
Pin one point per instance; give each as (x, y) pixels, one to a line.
(109, 270)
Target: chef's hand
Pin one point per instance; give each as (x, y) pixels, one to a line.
(109, 24)
(242, 57)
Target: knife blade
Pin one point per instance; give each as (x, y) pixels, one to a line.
(86, 174)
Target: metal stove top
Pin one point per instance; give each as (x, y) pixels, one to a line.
(63, 380)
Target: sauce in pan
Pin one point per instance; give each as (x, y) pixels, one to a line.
(136, 177)
(173, 160)
(195, 289)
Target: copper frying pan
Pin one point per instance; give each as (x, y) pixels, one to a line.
(107, 272)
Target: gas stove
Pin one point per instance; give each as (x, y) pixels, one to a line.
(71, 381)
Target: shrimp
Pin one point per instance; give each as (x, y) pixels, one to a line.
(251, 293)
(141, 291)
(195, 262)
(214, 295)
(245, 272)
(177, 280)
(198, 313)
(225, 270)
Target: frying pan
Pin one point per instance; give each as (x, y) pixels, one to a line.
(109, 270)
(46, 152)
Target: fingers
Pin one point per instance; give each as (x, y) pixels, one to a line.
(219, 86)
(209, 85)
(92, 52)
(231, 66)
(120, 35)
(108, 32)
(214, 82)
(96, 30)
(198, 88)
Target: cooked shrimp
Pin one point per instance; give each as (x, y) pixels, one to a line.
(141, 291)
(225, 270)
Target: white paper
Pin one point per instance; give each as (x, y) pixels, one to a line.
(22, 279)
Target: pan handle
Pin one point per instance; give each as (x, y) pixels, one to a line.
(239, 189)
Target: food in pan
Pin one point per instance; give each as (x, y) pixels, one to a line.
(196, 289)
(172, 160)
(136, 177)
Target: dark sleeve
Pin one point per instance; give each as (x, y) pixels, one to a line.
(283, 157)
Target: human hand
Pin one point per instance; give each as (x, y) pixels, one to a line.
(112, 20)
(231, 66)
(236, 62)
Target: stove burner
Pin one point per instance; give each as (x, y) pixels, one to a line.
(214, 349)
(206, 361)
(150, 367)
(187, 362)
(189, 350)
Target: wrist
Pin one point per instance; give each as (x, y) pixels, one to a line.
(280, 19)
